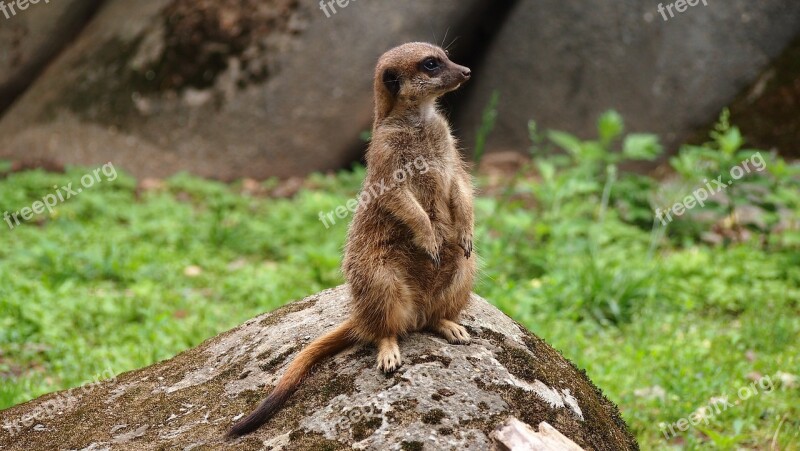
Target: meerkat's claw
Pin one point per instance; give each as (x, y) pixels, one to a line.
(389, 359)
(436, 260)
(389, 363)
(431, 247)
(453, 332)
(466, 244)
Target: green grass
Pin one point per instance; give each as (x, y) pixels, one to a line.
(118, 279)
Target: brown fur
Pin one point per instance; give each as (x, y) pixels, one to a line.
(408, 258)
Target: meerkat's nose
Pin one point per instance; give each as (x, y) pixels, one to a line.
(466, 72)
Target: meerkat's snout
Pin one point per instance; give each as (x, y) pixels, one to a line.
(466, 72)
(457, 76)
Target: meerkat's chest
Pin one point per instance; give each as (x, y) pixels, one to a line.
(432, 188)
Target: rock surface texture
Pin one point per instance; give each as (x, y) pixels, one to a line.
(565, 63)
(444, 397)
(31, 37)
(220, 88)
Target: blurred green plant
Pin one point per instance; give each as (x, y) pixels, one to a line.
(591, 169)
(488, 120)
(577, 186)
(773, 190)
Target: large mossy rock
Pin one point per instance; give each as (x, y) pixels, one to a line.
(768, 113)
(220, 88)
(31, 38)
(565, 63)
(444, 397)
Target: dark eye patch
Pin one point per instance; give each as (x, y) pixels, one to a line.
(431, 64)
(391, 79)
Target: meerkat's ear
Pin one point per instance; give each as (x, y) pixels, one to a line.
(391, 79)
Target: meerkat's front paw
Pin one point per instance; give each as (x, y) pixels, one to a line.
(389, 359)
(453, 332)
(465, 242)
(429, 244)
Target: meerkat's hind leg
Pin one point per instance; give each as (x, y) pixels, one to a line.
(452, 332)
(389, 359)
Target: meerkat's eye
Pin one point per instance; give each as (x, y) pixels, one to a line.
(431, 64)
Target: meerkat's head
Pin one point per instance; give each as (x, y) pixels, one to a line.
(413, 76)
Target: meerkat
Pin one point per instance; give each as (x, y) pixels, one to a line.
(409, 258)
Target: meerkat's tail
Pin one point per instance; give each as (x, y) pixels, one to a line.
(327, 345)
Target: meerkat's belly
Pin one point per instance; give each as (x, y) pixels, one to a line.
(389, 242)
